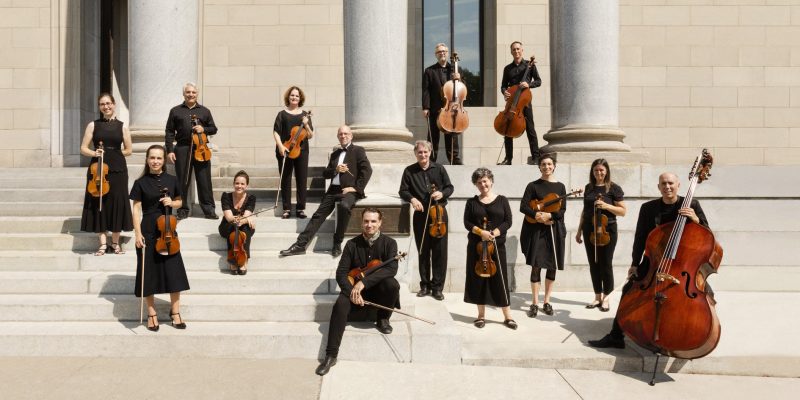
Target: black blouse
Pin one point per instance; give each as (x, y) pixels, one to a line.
(285, 121)
(227, 203)
(590, 193)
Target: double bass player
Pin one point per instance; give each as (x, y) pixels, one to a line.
(653, 213)
(433, 79)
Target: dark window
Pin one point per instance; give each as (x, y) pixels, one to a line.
(468, 38)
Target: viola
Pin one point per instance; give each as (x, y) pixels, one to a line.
(453, 118)
(669, 311)
(98, 185)
(511, 121)
(485, 266)
(299, 133)
(550, 203)
(199, 142)
(359, 273)
(599, 236)
(167, 243)
(438, 227)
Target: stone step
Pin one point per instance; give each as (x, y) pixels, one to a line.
(258, 182)
(274, 340)
(83, 282)
(263, 170)
(194, 260)
(55, 195)
(44, 181)
(194, 307)
(41, 208)
(84, 242)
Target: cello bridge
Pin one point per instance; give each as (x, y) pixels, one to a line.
(661, 277)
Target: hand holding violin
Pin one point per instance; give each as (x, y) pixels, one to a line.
(487, 235)
(166, 201)
(198, 128)
(98, 152)
(544, 218)
(355, 294)
(437, 195)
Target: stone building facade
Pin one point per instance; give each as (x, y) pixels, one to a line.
(691, 73)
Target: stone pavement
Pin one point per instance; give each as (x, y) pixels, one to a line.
(545, 357)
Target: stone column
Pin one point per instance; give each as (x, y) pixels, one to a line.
(584, 69)
(375, 33)
(163, 55)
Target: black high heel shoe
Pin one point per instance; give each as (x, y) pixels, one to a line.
(180, 325)
(155, 326)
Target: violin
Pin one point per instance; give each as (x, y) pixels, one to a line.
(299, 133)
(236, 253)
(511, 121)
(98, 185)
(550, 203)
(599, 236)
(670, 312)
(485, 266)
(437, 227)
(453, 118)
(199, 142)
(167, 243)
(359, 273)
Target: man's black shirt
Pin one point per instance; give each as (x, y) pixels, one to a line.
(179, 124)
(513, 74)
(416, 183)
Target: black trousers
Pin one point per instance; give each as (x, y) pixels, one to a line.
(332, 198)
(450, 139)
(601, 271)
(202, 175)
(433, 255)
(533, 141)
(385, 293)
(300, 167)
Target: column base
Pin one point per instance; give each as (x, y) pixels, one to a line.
(574, 138)
(143, 138)
(385, 145)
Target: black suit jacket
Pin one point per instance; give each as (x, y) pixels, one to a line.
(357, 163)
(433, 79)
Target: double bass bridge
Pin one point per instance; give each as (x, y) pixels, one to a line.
(664, 277)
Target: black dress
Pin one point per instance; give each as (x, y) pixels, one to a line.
(284, 122)
(536, 239)
(163, 274)
(493, 290)
(225, 227)
(116, 214)
(601, 270)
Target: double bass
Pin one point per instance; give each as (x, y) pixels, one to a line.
(511, 121)
(669, 311)
(453, 117)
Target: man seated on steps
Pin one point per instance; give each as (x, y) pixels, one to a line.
(350, 171)
(379, 287)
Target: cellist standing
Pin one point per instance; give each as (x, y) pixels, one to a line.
(653, 213)
(433, 79)
(512, 75)
(416, 188)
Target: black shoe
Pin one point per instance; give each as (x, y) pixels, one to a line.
(533, 311)
(510, 323)
(211, 216)
(505, 162)
(457, 161)
(547, 309)
(286, 214)
(155, 326)
(423, 292)
(437, 294)
(301, 214)
(383, 326)
(533, 160)
(337, 250)
(179, 325)
(182, 215)
(326, 365)
(293, 250)
(608, 341)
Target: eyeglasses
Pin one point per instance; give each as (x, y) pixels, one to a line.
(441, 51)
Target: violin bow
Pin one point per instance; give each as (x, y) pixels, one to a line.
(425, 225)
(369, 303)
(280, 182)
(101, 175)
(141, 294)
(502, 280)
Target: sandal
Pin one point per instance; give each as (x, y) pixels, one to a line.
(604, 307)
(117, 248)
(479, 323)
(593, 304)
(286, 214)
(179, 325)
(155, 326)
(101, 251)
(510, 323)
(301, 214)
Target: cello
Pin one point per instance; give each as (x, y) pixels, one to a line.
(669, 311)
(298, 134)
(98, 185)
(511, 121)
(453, 118)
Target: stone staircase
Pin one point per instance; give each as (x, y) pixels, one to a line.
(58, 299)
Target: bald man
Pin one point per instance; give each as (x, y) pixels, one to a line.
(653, 213)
